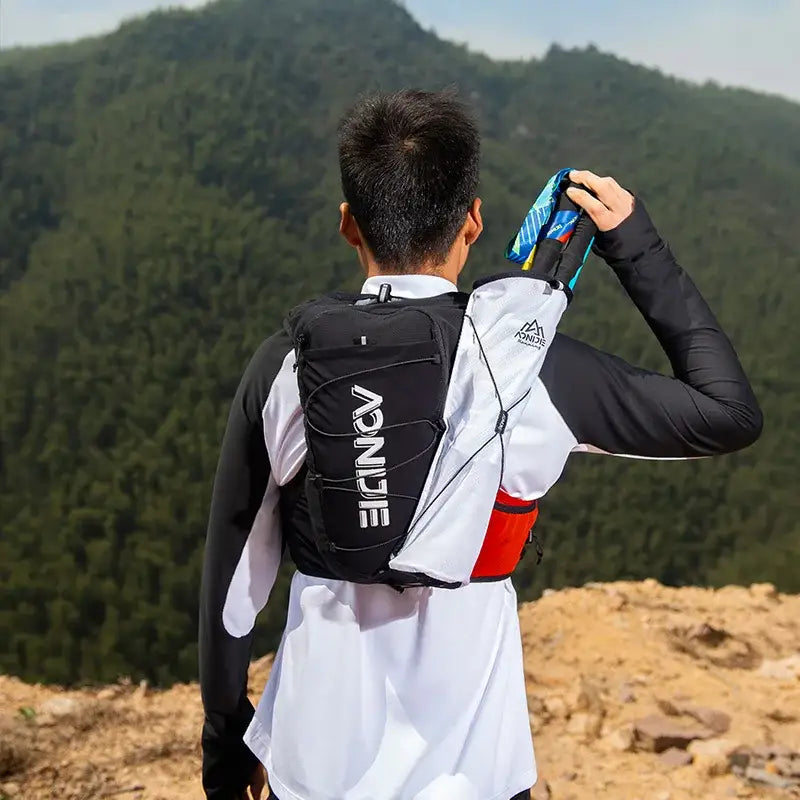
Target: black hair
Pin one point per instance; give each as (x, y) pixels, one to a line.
(409, 162)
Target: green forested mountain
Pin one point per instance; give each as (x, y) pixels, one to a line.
(168, 191)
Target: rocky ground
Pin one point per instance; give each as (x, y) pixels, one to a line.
(635, 690)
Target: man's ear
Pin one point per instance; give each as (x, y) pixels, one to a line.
(348, 227)
(474, 226)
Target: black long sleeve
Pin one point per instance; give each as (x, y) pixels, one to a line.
(239, 487)
(707, 408)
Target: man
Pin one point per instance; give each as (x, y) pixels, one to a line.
(377, 694)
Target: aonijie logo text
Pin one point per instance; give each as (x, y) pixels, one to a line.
(532, 334)
(370, 465)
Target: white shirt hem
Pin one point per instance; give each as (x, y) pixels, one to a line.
(260, 743)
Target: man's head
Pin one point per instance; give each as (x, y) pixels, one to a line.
(409, 164)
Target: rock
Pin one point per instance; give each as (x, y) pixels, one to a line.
(586, 697)
(788, 767)
(536, 705)
(712, 766)
(716, 646)
(764, 591)
(668, 707)
(723, 748)
(766, 752)
(621, 740)
(656, 733)
(739, 759)
(109, 693)
(45, 721)
(541, 791)
(586, 724)
(674, 757)
(781, 715)
(784, 669)
(626, 693)
(58, 707)
(556, 707)
(617, 601)
(16, 751)
(717, 721)
(707, 634)
(775, 760)
(10, 790)
(763, 776)
(141, 692)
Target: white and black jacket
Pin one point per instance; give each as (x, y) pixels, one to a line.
(582, 400)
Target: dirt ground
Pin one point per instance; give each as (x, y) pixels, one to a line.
(598, 659)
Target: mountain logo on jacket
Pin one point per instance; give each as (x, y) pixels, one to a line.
(532, 334)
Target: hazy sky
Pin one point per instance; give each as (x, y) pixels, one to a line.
(735, 42)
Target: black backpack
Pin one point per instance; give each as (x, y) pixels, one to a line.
(373, 374)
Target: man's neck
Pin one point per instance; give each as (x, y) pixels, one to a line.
(448, 275)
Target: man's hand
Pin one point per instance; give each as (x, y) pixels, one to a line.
(611, 206)
(258, 782)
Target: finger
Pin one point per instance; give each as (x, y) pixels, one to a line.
(622, 199)
(587, 179)
(252, 792)
(613, 186)
(258, 784)
(608, 191)
(591, 205)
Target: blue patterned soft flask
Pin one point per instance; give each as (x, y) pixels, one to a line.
(556, 236)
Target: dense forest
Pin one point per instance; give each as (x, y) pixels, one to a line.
(167, 192)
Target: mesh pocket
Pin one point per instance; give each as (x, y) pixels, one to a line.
(373, 422)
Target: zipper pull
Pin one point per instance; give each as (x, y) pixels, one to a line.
(300, 343)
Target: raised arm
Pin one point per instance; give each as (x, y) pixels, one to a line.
(706, 408)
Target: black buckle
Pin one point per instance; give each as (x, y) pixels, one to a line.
(502, 422)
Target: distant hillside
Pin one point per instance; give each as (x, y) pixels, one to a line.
(168, 191)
